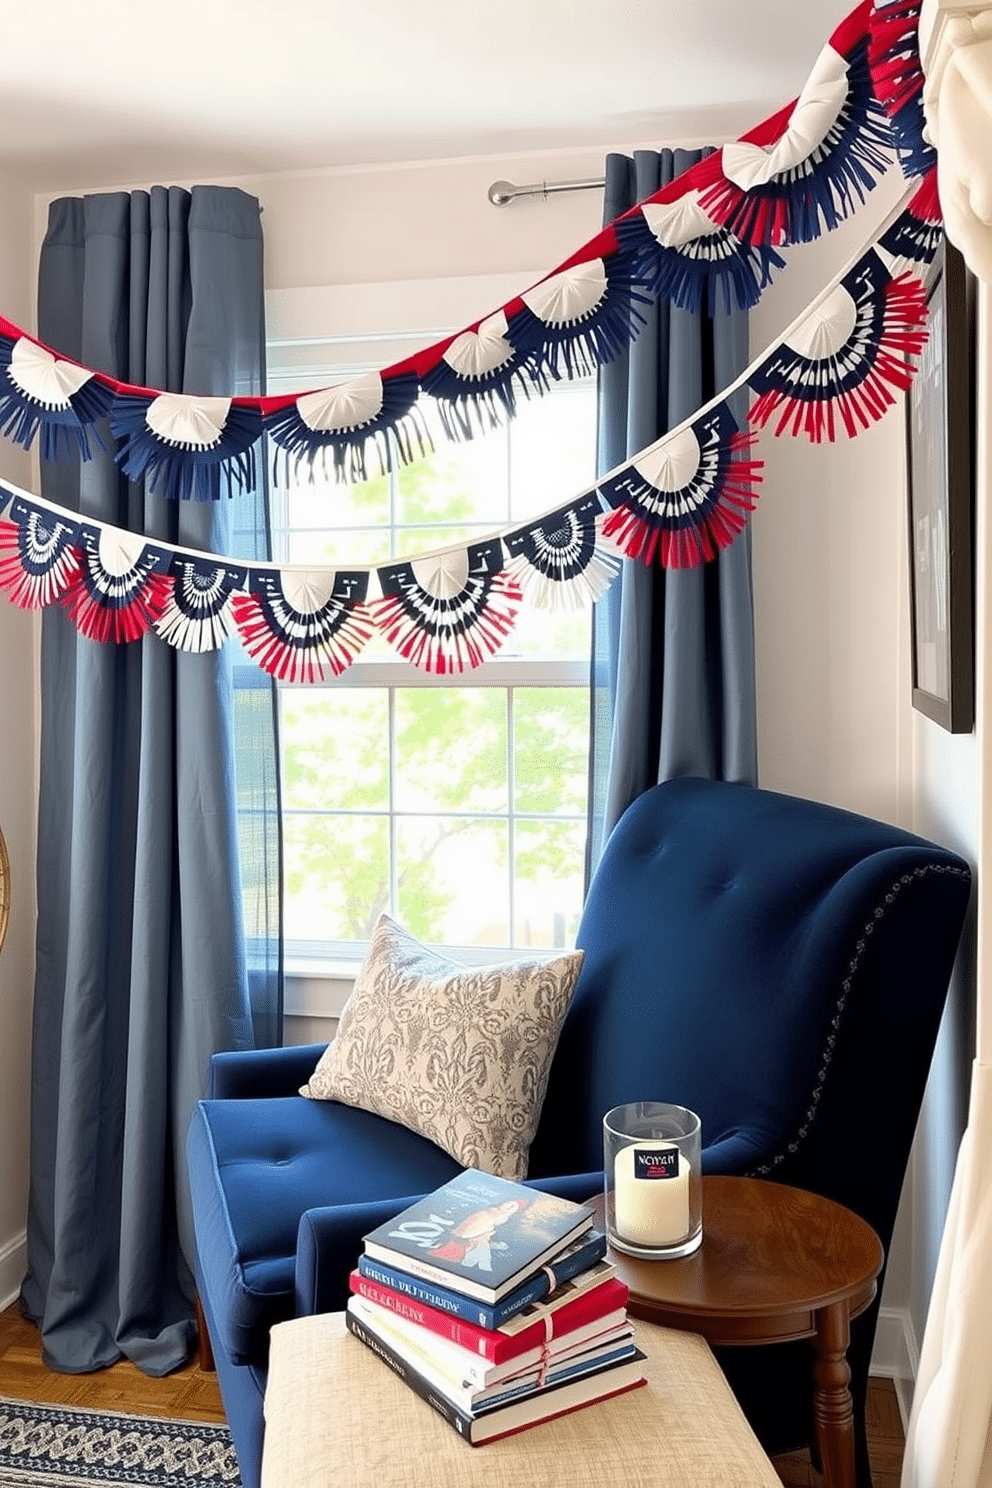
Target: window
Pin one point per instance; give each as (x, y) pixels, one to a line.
(458, 805)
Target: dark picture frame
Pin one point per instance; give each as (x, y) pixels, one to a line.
(939, 432)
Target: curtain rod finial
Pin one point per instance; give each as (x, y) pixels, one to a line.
(501, 192)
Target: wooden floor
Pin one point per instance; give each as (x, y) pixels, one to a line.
(192, 1394)
(188, 1393)
(885, 1443)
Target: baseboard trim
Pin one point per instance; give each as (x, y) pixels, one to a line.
(13, 1264)
(896, 1355)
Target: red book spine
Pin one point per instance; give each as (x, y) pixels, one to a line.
(489, 1344)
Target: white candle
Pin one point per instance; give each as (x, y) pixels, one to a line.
(651, 1210)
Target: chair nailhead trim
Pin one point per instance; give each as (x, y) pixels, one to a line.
(848, 982)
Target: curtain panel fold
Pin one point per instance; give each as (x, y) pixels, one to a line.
(154, 948)
(672, 676)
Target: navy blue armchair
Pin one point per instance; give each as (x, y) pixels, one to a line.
(778, 965)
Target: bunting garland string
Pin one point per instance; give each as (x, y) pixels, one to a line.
(715, 230)
(836, 369)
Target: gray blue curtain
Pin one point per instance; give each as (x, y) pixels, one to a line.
(672, 676)
(158, 845)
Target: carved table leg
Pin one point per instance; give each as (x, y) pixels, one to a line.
(832, 1405)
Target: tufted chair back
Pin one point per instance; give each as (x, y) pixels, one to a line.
(780, 967)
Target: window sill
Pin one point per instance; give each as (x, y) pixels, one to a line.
(318, 989)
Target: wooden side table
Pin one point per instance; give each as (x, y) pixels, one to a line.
(776, 1264)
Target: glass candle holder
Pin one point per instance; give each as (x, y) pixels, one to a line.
(654, 1195)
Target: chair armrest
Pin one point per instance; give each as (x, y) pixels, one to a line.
(740, 1153)
(252, 1074)
(328, 1244)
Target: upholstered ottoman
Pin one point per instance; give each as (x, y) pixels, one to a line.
(337, 1417)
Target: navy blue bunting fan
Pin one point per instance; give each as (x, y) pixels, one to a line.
(353, 430)
(579, 319)
(681, 255)
(476, 379)
(46, 398)
(187, 447)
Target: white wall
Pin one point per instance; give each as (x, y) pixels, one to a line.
(18, 794)
(422, 221)
(836, 722)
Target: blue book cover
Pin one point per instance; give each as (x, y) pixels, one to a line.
(578, 1257)
(479, 1234)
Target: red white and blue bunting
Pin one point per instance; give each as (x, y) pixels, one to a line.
(897, 78)
(715, 230)
(835, 370)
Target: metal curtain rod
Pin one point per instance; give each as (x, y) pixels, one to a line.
(502, 192)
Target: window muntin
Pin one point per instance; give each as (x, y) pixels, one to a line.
(458, 805)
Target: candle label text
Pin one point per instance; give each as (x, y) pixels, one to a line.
(656, 1162)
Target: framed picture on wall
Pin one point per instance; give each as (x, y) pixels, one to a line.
(941, 503)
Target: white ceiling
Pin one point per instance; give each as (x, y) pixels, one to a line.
(100, 92)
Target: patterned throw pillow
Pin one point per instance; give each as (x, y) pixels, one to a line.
(459, 1054)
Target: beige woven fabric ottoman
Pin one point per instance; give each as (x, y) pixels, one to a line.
(337, 1417)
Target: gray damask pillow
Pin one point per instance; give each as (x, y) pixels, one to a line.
(459, 1054)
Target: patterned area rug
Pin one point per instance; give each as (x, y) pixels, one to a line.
(61, 1446)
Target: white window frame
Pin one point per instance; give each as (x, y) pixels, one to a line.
(373, 325)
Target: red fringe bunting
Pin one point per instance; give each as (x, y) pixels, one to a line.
(688, 496)
(448, 614)
(856, 381)
(898, 79)
(122, 603)
(810, 194)
(924, 205)
(297, 644)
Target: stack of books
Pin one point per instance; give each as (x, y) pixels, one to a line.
(494, 1303)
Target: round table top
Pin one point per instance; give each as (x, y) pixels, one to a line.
(771, 1256)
